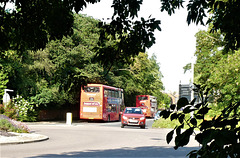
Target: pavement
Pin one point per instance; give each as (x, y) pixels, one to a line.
(20, 138)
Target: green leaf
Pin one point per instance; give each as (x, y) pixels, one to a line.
(198, 105)
(183, 139)
(193, 101)
(172, 106)
(193, 121)
(178, 130)
(182, 102)
(170, 136)
(186, 110)
(203, 110)
(199, 116)
(165, 114)
(174, 116)
(181, 118)
(205, 125)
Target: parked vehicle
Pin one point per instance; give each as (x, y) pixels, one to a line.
(133, 116)
(157, 115)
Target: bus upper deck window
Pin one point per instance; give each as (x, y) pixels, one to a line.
(92, 89)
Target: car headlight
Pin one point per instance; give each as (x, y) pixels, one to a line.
(142, 118)
(124, 117)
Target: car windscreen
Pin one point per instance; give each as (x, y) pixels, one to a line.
(133, 111)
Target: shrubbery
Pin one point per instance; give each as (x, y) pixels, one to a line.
(10, 125)
(19, 109)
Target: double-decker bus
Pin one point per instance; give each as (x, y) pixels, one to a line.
(148, 104)
(101, 102)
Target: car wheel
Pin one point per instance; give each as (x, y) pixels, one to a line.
(143, 126)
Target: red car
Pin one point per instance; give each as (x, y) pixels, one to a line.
(133, 116)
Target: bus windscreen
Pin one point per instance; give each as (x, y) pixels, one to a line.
(91, 89)
(142, 98)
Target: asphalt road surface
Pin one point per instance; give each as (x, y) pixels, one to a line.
(97, 139)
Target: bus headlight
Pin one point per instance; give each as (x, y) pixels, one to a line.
(124, 117)
(142, 118)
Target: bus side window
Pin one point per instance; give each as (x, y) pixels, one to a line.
(114, 109)
(109, 108)
(109, 93)
(116, 94)
(112, 93)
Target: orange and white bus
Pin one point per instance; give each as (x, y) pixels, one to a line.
(148, 104)
(101, 102)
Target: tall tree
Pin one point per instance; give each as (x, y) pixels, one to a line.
(143, 76)
(215, 69)
(31, 24)
(54, 75)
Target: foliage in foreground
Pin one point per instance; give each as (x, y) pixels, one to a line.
(218, 137)
(10, 125)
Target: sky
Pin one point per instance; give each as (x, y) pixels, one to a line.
(175, 44)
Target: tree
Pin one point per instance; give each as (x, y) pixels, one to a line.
(143, 76)
(32, 24)
(71, 66)
(53, 76)
(215, 69)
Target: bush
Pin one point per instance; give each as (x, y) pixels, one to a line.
(10, 125)
(19, 109)
(9, 111)
(168, 123)
(165, 123)
(25, 110)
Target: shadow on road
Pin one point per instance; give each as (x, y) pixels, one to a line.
(148, 151)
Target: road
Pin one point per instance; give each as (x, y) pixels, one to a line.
(97, 140)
